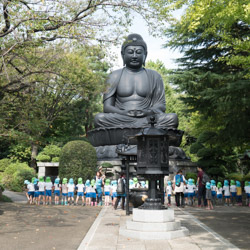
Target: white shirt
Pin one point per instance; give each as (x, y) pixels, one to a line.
(114, 189)
(191, 188)
(219, 190)
(233, 189)
(213, 188)
(169, 190)
(41, 186)
(92, 189)
(88, 189)
(71, 187)
(48, 185)
(31, 187)
(226, 190)
(247, 189)
(107, 188)
(57, 186)
(80, 188)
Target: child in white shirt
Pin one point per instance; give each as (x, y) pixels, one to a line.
(57, 188)
(233, 192)
(41, 185)
(169, 192)
(219, 192)
(87, 192)
(48, 190)
(107, 189)
(226, 192)
(71, 190)
(190, 190)
(80, 187)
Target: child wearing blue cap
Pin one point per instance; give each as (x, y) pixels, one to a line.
(87, 192)
(213, 190)
(169, 190)
(209, 196)
(57, 189)
(226, 192)
(71, 190)
(233, 191)
(191, 191)
(238, 193)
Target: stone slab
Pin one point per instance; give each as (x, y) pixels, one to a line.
(143, 215)
(153, 227)
(182, 232)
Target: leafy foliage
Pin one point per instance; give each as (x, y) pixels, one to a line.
(77, 159)
(15, 174)
(4, 163)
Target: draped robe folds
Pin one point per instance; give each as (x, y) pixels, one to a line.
(155, 101)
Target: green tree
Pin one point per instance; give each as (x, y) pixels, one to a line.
(214, 85)
(77, 159)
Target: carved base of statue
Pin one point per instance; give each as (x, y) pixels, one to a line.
(114, 136)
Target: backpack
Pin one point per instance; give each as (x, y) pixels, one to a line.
(205, 179)
(120, 186)
(178, 180)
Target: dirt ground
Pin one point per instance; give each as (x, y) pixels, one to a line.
(29, 227)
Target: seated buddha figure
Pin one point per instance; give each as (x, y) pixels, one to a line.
(134, 93)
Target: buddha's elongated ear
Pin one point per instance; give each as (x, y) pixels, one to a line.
(122, 54)
(144, 61)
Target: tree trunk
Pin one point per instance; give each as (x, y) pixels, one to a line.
(34, 150)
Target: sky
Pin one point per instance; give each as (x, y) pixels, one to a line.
(155, 46)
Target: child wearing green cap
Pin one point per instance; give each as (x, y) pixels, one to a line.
(64, 192)
(80, 191)
(219, 192)
(41, 185)
(247, 191)
(48, 190)
(107, 190)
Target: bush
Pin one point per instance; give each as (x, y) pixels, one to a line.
(43, 158)
(1, 187)
(55, 159)
(4, 163)
(50, 153)
(77, 159)
(4, 198)
(234, 176)
(15, 174)
(106, 165)
(192, 176)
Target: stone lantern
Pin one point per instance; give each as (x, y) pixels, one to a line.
(152, 162)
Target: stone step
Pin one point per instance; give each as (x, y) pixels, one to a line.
(153, 227)
(182, 232)
(158, 216)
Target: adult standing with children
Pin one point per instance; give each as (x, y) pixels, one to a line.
(178, 185)
(201, 187)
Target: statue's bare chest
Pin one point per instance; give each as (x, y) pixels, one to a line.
(133, 84)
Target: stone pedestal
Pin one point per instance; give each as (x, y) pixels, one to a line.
(153, 225)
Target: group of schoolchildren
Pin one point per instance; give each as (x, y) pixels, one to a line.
(231, 192)
(91, 193)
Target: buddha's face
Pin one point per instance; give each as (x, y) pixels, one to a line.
(134, 57)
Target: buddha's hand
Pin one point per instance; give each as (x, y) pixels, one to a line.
(138, 113)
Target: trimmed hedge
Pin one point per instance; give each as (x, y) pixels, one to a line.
(77, 159)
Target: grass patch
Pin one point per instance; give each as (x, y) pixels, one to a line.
(4, 198)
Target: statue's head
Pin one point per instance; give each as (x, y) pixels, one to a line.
(134, 46)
